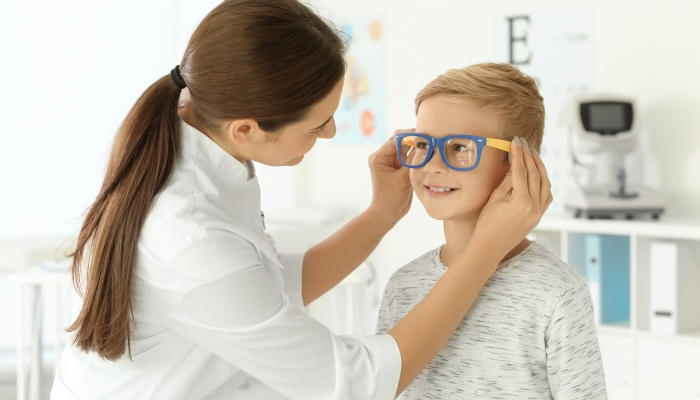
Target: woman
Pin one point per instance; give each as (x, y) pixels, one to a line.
(182, 295)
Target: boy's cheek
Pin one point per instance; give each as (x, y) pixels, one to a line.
(474, 196)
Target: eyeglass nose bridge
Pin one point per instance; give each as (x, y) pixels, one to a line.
(433, 152)
(436, 164)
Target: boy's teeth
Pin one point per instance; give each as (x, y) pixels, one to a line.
(439, 190)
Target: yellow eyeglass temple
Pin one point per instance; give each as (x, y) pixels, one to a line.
(498, 144)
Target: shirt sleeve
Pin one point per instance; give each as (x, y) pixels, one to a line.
(385, 320)
(220, 295)
(574, 366)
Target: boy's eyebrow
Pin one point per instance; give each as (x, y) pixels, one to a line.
(323, 124)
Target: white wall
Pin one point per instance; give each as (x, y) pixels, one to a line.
(70, 72)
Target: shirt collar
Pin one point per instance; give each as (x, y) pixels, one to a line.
(437, 261)
(204, 149)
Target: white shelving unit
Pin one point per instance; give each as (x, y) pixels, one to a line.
(639, 364)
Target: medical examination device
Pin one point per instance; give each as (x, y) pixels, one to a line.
(602, 130)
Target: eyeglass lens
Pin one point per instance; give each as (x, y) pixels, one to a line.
(460, 152)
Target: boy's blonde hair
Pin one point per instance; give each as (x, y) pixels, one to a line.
(509, 97)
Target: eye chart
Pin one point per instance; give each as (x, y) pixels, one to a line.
(555, 48)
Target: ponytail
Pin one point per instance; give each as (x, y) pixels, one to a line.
(140, 164)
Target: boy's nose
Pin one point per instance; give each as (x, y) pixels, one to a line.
(435, 165)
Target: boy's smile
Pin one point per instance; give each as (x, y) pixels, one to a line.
(447, 194)
(437, 191)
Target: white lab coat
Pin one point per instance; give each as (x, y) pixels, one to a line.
(213, 302)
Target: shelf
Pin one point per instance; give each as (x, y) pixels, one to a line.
(617, 325)
(16, 254)
(689, 338)
(686, 338)
(665, 228)
(638, 363)
(621, 328)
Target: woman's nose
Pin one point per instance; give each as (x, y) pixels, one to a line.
(330, 131)
(329, 134)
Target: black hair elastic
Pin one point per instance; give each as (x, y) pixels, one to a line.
(177, 78)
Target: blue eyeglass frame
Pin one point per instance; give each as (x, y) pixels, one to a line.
(480, 141)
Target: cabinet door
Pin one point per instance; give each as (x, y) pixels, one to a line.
(616, 352)
(668, 370)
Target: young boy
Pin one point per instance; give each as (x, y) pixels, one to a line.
(530, 334)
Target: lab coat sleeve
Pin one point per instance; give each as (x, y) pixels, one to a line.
(291, 273)
(574, 366)
(233, 306)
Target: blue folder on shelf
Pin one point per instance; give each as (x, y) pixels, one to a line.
(604, 260)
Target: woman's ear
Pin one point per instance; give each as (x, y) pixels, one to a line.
(242, 131)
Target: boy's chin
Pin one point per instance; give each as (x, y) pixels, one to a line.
(452, 215)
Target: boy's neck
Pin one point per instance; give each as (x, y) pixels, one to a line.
(458, 234)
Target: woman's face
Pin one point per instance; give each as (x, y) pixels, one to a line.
(288, 146)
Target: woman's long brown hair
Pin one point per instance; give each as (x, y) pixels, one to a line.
(270, 60)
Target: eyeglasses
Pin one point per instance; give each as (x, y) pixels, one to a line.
(459, 152)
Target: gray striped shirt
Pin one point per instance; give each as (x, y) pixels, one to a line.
(529, 335)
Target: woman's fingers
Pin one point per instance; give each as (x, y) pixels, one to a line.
(517, 204)
(386, 155)
(518, 171)
(545, 183)
(533, 175)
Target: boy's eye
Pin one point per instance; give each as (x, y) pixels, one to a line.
(461, 148)
(422, 145)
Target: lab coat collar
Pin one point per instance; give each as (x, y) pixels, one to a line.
(230, 187)
(205, 149)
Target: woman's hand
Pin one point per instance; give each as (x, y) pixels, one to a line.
(391, 188)
(517, 204)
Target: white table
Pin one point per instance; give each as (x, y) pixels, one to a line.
(35, 278)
